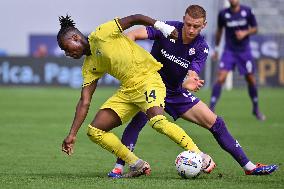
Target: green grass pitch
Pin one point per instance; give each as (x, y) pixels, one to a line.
(34, 121)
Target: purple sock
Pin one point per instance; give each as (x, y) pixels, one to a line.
(227, 142)
(216, 92)
(131, 132)
(252, 90)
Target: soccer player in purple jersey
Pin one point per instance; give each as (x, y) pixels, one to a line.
(239, 23)
(185, 57)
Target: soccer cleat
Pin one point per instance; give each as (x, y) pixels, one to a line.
(262, 169)
(207, 163)
(141, 168)
(115, 173)
(259, 115)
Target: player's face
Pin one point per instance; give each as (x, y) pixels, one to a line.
(192, 27)
(73, 46)
(234, 3)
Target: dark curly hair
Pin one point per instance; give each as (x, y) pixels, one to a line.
(67, 24)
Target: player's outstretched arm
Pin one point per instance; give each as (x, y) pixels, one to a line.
(80, 115)
(137, 34)
(139, 19)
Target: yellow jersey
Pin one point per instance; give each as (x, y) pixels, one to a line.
(115, 54)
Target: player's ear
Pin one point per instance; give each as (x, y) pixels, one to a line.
(75, 37)
(204, 24)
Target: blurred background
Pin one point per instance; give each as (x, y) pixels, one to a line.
(29, 54)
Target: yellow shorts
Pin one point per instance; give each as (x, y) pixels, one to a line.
(126, 102)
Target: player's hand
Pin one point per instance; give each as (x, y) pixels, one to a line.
(192, 82)
(174, 34)
(68, 144)
(167, 30)
(241, 34)
(198, 83)
(215, 56)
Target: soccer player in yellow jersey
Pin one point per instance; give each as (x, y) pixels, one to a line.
(108, 50)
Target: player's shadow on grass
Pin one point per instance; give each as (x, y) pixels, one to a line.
(103, 175)
(70, 175)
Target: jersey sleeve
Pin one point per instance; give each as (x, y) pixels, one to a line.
(108, 29)
(197, 64)
(153, 33)
(251, 19)
(90, 72)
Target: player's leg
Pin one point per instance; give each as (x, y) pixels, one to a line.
(113, 113)
(131, 132)
(177, 105)
(247, 67)
(178, 135)
(98, 132)
(203, 116)
(252, 90)
(153, 95)
(129, 138)
(217, 88)
(160, 123)
(226, 64)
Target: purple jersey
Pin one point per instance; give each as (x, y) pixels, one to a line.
(177, 58)
(233, 21)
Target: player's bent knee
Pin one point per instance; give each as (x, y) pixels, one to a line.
(95, 135)
(219, 120)
(219, 125)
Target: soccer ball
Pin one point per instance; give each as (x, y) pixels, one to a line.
(188, 164)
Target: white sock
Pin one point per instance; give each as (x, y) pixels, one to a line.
(119, 166)
(249, 166)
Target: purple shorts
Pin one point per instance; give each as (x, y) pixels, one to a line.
(243, 60)
(178, 103)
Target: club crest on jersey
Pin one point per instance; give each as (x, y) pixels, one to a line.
(206, 50)
(98, 52)
(191, 51)
(227, 15)
(243, 13)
